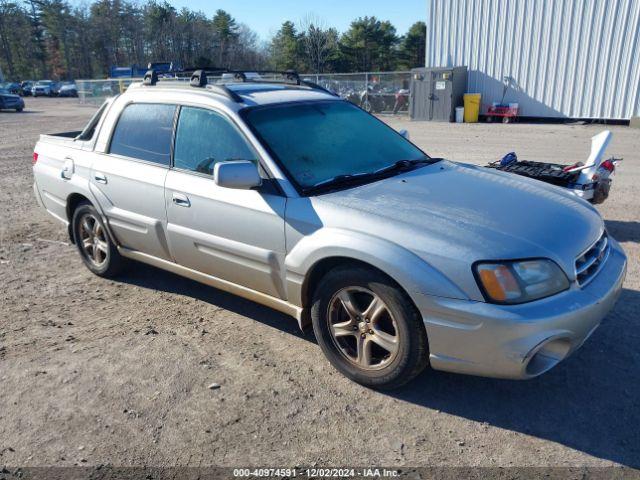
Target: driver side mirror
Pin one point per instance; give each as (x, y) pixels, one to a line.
(405, 133)
(239, 174)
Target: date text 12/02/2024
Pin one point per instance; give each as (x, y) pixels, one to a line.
(315, 472)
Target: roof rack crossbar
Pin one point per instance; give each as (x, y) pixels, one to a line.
(199, 79)
(315, 86)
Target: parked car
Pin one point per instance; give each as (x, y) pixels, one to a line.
(43, 88)
(11, 87)
(297, 199)
(67, 89)
(55, 88)
(10, 101)
(26, 86)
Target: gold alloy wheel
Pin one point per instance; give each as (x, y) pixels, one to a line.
(363, 328)
(93, 240)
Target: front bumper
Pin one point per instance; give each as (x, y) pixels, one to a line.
(519, 341)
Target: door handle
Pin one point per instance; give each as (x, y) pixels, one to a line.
(100, 177)
(181, 200)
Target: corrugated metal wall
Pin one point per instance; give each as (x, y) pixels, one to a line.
(565, 58)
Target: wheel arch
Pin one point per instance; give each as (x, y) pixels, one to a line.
(323, 266)
(320, 268)
(73, 200)
(314, 255)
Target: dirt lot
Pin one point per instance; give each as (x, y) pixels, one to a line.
(116, 372)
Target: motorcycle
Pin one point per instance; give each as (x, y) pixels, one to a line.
(590, 180)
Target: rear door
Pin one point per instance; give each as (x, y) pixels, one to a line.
(128, 178)
(235, 235)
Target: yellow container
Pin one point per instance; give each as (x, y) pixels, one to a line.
(471, 107)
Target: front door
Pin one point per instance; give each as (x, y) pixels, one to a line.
(234, 235)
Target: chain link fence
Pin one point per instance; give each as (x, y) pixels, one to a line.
(376, 92)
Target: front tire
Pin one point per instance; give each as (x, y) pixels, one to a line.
(368, 328)
(96, 249)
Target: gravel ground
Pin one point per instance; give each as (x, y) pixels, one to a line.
(117, 372)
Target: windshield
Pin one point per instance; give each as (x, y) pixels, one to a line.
(319, 141)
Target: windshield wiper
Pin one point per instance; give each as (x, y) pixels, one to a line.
(337, 180)
(347, 179)
(402, 165)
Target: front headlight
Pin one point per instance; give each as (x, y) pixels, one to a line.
(520, 281)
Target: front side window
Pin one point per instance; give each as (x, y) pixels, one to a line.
(144, 132)
(318, 141)
(204, 138)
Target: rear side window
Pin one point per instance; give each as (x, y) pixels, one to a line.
(144, 132)
(204, 137)
(90, 129)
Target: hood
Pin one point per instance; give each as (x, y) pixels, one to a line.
(9, 95)
(453, 215)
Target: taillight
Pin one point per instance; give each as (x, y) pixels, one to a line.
(608, 165)
(35, 158)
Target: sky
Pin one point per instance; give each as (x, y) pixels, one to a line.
(265, 17)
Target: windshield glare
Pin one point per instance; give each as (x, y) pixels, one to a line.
(318, 141)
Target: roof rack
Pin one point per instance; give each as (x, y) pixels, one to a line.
(150, 78)
(199, 79)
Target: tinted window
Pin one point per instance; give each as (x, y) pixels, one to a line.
(204, 137)
(144, 132)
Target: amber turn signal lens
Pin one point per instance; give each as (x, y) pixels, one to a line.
(499, 283)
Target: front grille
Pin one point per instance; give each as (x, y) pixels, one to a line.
(589, 263)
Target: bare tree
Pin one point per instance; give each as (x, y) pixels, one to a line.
(319, 41)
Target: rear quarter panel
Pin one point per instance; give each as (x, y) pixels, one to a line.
(54, 191)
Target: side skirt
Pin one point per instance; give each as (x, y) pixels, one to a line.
(244, 292)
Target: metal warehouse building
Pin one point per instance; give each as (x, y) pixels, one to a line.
(561, 58)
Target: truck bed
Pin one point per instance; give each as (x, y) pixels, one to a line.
(65, 138)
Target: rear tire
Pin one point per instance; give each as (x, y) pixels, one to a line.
(96, 249)
(368, 327)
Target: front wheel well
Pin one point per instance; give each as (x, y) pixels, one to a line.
(322, 267)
